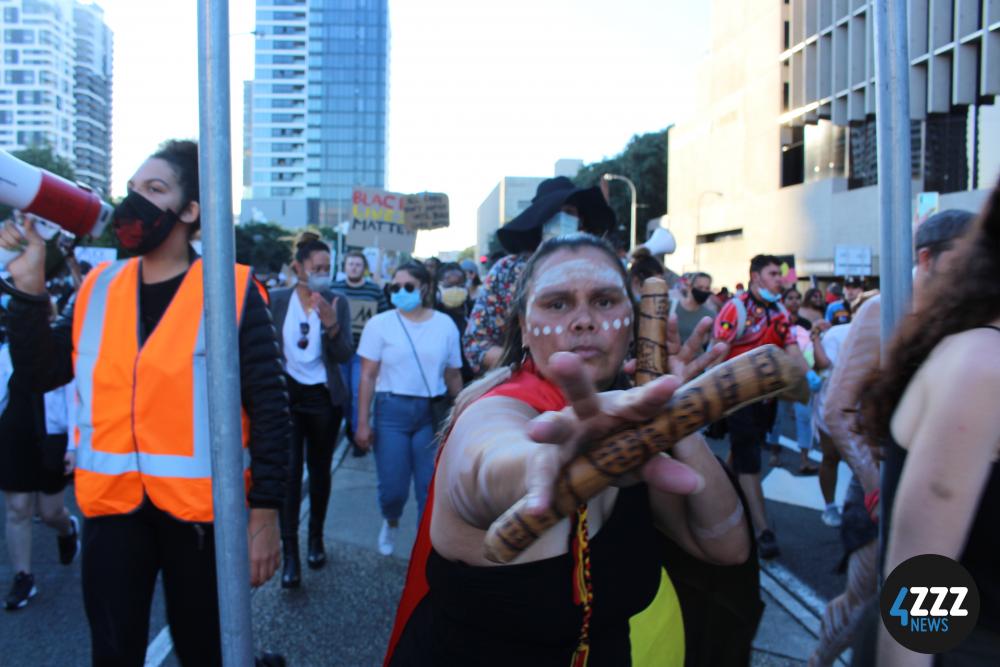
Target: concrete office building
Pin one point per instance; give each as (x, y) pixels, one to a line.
(56, 91)
(318, 109)
(780, 155)
(509, 198)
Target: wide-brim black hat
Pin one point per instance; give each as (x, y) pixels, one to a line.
(524, 233)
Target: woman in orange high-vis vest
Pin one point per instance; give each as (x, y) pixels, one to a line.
(134, 341)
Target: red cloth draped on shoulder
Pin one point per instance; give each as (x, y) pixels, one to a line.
(525, 385)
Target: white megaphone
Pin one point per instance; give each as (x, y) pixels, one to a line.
(73, 207)
(662, 242)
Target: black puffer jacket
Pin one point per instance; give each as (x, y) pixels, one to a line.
(44, 355)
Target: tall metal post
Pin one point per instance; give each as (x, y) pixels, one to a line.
(892, 116)
(632, 191)
(231, 552)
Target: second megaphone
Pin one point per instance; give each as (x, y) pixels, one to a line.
(45, 195)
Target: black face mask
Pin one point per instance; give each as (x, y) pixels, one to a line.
(699, 295)
(140, 225)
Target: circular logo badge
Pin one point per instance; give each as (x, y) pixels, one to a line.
(929, 604)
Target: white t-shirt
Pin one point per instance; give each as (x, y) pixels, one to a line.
(832, 341)
(304, 365)
(436, 341)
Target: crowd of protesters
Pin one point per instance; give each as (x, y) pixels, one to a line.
(473, 390)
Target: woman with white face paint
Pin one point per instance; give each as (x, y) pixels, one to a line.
(584, 591)
(558, 208)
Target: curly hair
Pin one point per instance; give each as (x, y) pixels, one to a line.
(976, 262)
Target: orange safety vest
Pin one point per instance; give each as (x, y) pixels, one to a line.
(142, 411)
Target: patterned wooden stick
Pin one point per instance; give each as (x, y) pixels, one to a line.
(651, 341)
(748, 378)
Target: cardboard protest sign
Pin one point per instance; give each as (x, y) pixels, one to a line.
(427, 210)
(378, 221)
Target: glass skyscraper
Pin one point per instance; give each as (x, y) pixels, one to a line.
(56, 91)
(317, 109)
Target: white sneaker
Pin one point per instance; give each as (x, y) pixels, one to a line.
(831, 517)
(387, 539)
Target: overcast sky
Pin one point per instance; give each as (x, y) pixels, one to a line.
(478, 90)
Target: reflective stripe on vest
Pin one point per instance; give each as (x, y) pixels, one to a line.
(142, 422)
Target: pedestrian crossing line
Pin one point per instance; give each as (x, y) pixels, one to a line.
(797, 598)
(802, 490)
(159, 648)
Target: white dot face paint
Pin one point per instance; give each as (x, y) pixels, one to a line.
(572, 272)
(536, 331)
(627, 321)
(559, 329)
(617, 324)
(547, 330)
(605, 325)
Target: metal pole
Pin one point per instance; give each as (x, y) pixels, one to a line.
(892, 116)
(632, 190)
(232, 564)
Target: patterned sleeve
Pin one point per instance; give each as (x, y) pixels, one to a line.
(485, 328)
(724, 329)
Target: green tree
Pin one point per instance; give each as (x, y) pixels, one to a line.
(263, 245)
(468, 253)
(644, 160)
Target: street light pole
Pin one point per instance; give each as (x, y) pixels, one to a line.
(223, 371)
(892, 118)
(631, 187)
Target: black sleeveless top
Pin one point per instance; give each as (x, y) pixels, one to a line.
(981, 556)
(524, 614)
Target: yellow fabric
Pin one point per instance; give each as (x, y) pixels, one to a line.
(657, 632)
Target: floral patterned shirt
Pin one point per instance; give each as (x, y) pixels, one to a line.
(488, 320)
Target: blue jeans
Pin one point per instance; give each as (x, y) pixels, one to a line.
(404, 449)
(803, 425)
(350, 371)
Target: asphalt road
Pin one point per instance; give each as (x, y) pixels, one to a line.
(343, 614)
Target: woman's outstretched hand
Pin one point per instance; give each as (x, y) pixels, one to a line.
(591, 416)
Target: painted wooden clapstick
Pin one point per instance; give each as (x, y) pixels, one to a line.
(748, 378)
(651, 341)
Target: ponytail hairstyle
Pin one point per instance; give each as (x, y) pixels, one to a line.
(644, 266)
(306, 244)
(976, 262)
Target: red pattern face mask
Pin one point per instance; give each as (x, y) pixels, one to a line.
(140, 225)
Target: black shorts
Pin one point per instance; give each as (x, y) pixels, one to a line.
(748, 429)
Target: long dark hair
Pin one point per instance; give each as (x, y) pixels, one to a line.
(807, 298)
(976, 263)
(513, 348)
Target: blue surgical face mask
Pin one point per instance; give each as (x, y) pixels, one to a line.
(768, 295)
(319, 281)
(561, 224)
(406, 301)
